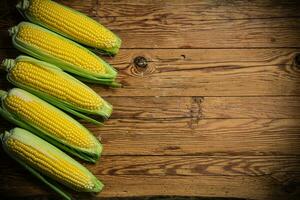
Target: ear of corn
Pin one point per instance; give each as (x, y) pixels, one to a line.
(53, 85)
(71, 24)
(46, 161)
(65, 54)
(43, 119)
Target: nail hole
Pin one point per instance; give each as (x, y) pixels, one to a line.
(183, 56)
(273, 39)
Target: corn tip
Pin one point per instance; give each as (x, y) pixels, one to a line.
(106, 110)
(13, 30)
(23, 5)
(2, 93)
(98, 186)
(7, 64)
(3, 136)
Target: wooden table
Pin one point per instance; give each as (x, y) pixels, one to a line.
(210, 105)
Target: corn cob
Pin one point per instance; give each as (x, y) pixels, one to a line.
(70, 23)
(65, 54)
(46, 161)
(53, 85)
(30, 112)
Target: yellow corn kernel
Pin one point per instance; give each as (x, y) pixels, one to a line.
(59, 48)
(55, 84)
(48, 119)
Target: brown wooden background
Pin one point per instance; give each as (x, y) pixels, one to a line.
(216, 112)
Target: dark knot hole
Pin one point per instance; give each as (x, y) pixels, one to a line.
(140, 61)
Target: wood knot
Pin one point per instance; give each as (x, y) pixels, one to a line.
(140, 61)
(297, 60)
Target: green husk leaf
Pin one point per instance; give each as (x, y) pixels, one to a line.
(2, 94)
(109, 82)
(35, 52)
(81, 153)
(50, 183)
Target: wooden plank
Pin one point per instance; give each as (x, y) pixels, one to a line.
(194, 165)
(166, 60)
(135, 175)
(213, 72)
(205, 10)
(210, 186)
(205, 186)
(251, 107)
(202, 24)
(199, 137)
(174, 31)
(205, 107)
(204, 72)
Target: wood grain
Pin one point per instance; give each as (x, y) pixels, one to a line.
(205, 107)
(243, 72)
(151, 172)
(206, 10)
(204, 137)
(246, 33)
(193, 166)
(262, 187)
(203, 24)
(214, 114)
(181, 31)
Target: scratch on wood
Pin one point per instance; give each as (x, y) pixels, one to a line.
(172, 148)
(195, 111)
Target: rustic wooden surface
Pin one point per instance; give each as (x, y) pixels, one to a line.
(216, 112)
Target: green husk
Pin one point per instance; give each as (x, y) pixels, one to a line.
(105, 111)
(108, 82)
(35, 173)
(64, 65)
(91, 155)
(44, 147)
(23, 6)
